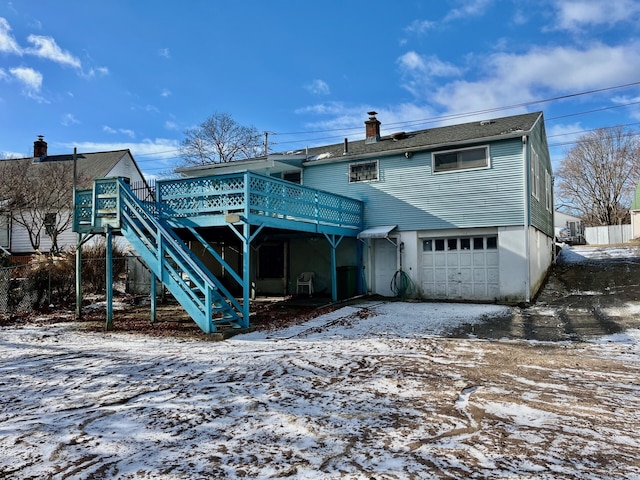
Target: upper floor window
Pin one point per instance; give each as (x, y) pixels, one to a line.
(363, 171)
(476, 157)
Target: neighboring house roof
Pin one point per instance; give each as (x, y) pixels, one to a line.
(635, 203)
(88, 165)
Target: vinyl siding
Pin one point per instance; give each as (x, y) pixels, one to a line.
(125, 168)
(410, 195)
(541, 217)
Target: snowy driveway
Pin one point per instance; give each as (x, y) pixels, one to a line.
(365, 393)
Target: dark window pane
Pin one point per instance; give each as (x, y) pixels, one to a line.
(452, 244)
(478, 243)
(492, 243)
(465, 244)
(427, 245)
(440, 244)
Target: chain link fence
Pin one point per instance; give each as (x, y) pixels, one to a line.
(31, 286)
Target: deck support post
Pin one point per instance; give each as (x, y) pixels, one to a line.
(334, 280)
(153, 296)
(109, 277)
(246, 274)
(79, 277)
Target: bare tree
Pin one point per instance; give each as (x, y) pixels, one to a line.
(219, 139)
(38, 197)
(597, 178)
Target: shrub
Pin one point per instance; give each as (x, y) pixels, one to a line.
(94, 276)
(50, 278)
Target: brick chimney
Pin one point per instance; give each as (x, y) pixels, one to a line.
(372, 128)
(40, 147)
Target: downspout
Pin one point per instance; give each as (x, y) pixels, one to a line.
(527, 194)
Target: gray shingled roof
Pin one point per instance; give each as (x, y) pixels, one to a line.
(504, 127)
(89, 165)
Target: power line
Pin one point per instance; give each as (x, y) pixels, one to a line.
(438, 119)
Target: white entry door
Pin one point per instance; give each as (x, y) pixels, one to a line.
(385, 261)
(461, 268)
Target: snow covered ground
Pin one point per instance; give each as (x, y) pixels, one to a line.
(375, 391)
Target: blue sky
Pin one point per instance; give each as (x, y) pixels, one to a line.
(105, 75)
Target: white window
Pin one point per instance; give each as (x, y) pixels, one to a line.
(363, 172)
(535, 174)
(464, 159)
(549, 190)
(4, 231)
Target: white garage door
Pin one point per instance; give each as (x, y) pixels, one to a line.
(463, 268)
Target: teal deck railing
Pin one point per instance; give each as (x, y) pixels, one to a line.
(261, 200)
(205, 201)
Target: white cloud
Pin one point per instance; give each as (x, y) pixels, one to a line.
(125, 131)
(69, 119)
(30, 79)
(165, 92)
(469, 8)
(419, 72)
(171, 125)
(8, 44)
(96, 72)
(419, 27)
(574, 14)
(509, 78)
(163, 148)
(318, 87)
(164, 52)
(46, 47)
(429, 66)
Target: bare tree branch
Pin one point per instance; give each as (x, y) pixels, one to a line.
(37, 197)
(598, 176)
(219, 139)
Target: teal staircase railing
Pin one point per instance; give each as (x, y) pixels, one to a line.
(246, 202)
(200, 293)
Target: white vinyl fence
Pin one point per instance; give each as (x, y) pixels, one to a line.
(608, 235)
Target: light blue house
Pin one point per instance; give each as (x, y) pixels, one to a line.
(461, 212)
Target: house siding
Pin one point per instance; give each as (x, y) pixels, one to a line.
(541, 217)
(410, 195)
(126, 168)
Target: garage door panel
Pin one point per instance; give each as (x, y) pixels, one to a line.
(492, 275)
(467, 271)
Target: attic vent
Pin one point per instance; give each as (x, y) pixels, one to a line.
(487, 122)
(398, 136)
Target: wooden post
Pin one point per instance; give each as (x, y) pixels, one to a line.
(109, 277)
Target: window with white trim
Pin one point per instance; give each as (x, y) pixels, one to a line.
(363, 172)
(463, 159)
(535, 174)
(549, 190)
(4, 231)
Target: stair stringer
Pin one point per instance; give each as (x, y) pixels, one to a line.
(191, 283)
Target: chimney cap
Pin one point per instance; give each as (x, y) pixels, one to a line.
(372, 113)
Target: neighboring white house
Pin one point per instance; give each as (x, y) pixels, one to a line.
(14, 237)
(568, 227)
